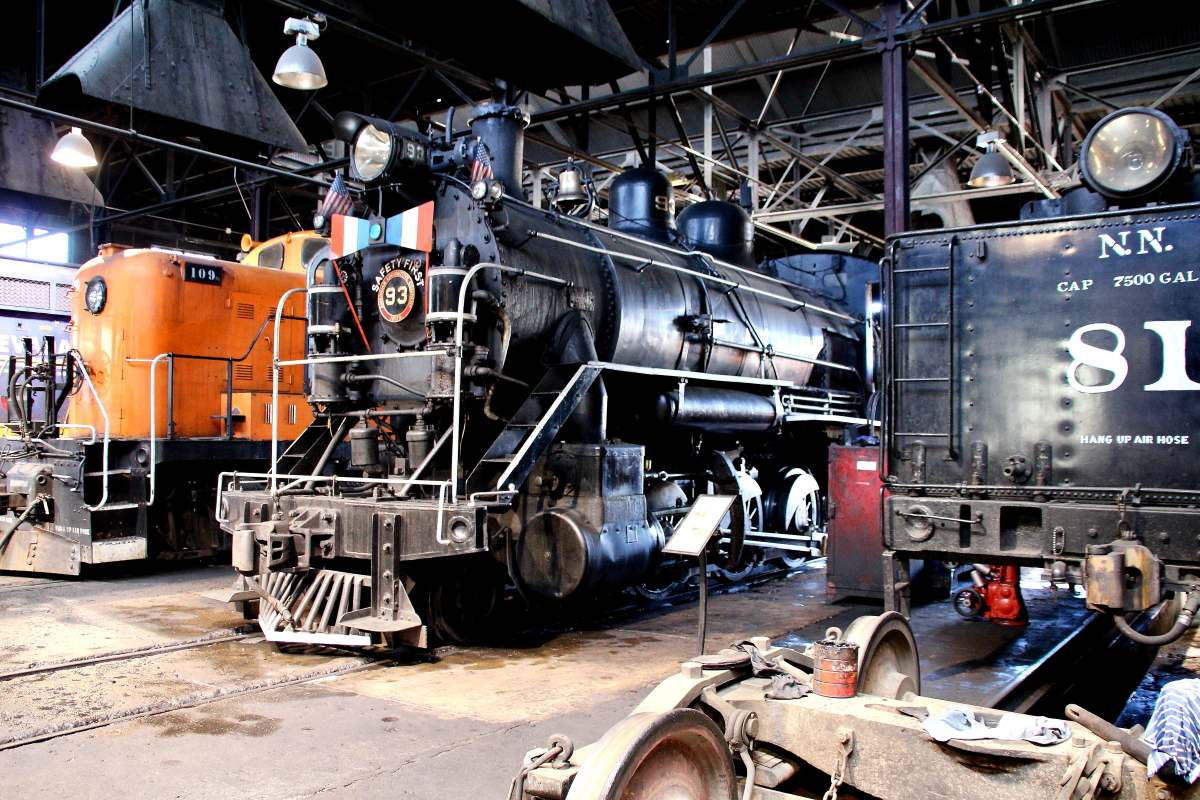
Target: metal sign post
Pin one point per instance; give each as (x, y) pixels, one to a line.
(691, 539)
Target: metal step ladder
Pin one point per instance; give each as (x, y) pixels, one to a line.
(905, 283)
(305, 451)
(512, 455)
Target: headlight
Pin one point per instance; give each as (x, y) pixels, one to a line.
(96, 295)
(372, 153)
(484, 189)
(1132, 152)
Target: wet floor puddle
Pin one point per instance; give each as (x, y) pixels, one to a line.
(211, 722)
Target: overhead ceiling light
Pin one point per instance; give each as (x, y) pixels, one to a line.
(992, 168)
(74, 150)
(299, 67)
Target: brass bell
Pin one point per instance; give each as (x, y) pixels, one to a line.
(571, 193)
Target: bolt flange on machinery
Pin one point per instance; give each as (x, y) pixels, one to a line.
(702, 731)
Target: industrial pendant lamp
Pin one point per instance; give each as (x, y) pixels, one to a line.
(74, 150)
(299, 67)
(992, 168)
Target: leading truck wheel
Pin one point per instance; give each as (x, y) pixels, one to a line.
(461, 603)
(888, 665)
(677, 755)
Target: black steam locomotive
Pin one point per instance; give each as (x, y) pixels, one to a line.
(538, 396)
(1038, 401)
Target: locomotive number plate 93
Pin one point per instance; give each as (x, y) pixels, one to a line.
(203, 273)
(397, 294)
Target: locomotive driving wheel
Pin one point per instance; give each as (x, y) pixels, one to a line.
(796, 509)
(888, 665)
(751, 521)
(676, 755)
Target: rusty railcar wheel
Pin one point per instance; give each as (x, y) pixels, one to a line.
(888, 665)
(677, 755)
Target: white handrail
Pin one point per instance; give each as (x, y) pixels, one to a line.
(154, 362)
(59, 425)
(265, 477)
(91, 428)
(369, 357)
(275, 365)
(271, 477)
(104, 466)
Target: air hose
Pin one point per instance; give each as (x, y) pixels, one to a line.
(1181, 624)
(8, 534)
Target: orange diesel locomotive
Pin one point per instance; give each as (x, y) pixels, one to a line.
(168, 383)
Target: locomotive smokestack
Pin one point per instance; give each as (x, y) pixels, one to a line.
(641, 203)
(502, 129)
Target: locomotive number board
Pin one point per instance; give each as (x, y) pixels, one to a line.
(203, 273)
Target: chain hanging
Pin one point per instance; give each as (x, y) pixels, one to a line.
(845, 748)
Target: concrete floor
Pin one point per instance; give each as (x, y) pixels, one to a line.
(449, 728)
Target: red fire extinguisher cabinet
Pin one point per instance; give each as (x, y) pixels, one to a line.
(854, 548)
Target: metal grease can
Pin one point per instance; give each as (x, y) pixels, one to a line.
(835, 666)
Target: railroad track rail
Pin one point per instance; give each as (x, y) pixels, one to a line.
(178, 704)
(217, 637)
(1048, 684)
(19, 587)
(1021, 694)
(361, 659)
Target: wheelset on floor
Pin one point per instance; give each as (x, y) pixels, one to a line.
(682, 754)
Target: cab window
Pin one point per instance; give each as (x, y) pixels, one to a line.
(309, 249)
(271, 257)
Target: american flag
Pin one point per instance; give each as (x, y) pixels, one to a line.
(337, 199)
(481, 162)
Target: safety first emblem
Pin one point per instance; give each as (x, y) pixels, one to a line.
(396, 289)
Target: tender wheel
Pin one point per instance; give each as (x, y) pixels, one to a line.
(968, 602)
(888, 665)
(677, 755)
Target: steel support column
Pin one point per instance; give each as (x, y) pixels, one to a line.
(260, 211)
(895, 123)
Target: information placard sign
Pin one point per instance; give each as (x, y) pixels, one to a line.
(692, 534)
